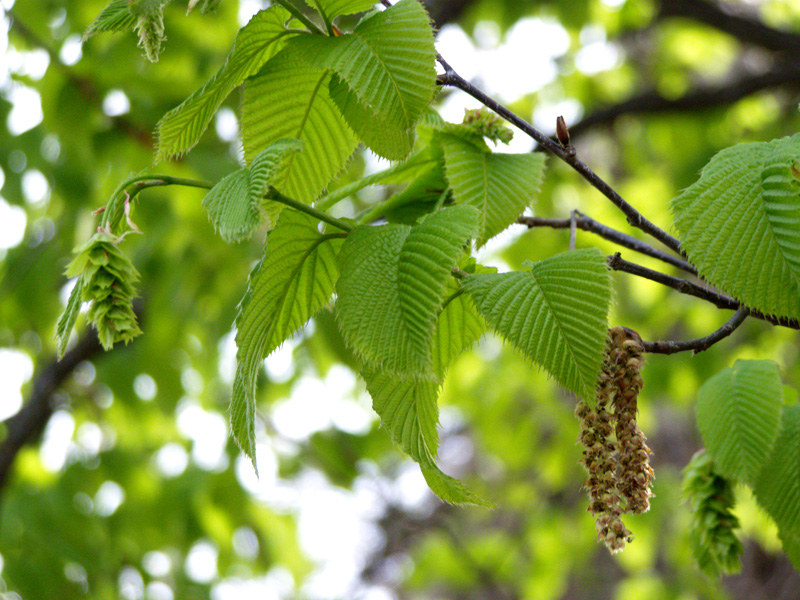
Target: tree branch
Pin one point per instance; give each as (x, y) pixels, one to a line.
(29, 422)
(787, 74)
(745, 29)
(626, 241)
(704, 343)
(568, 155)
(617, 263)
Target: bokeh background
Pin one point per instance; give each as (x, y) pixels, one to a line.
(118, 478)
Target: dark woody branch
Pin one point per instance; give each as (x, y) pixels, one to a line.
(567, 154)
(704, 343)
(617, 263)
(585, 223)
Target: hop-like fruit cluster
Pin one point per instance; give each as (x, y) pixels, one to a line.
(714, 543)
(615, 453)
(107, 283)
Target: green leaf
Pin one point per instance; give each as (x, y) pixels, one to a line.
(778, 486)
(66, 322)
(293, 281)
(387, 63)
(383, 139)
(460, 324)
(556, 314)
(229, 208)
(740, 224)
(258, 41)
(408, 409)
(114, 17)
(335, 8)
(739, 414)
(289, 99)
(501, 186)
(392, 284)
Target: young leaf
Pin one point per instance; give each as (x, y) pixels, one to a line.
(408, 409)
(501, 186)
(778, 486)
(258, 41)
(388, 65)
(229, 209)
(292, 282)
(556, 314)
(739, 414)
(66, 322)
(289, 99)
(739, 223)
(392, 284)
(335, 8)
(114, 17)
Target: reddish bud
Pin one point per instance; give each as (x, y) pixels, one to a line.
(562, 132)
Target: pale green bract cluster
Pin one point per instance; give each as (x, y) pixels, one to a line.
(752, 434)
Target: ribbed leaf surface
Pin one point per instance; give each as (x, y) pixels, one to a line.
(334, 8)
(556, 314)
(289, 99)
(392, 284)
(258, 41)
(234, 203)
(778, 487)
(408, 409)
(739, 224)
(739, 414)
(388, 65)
(229, 209)
(383, 139)
(116, 16)
(781, 194)
(501, 186)
(293, 281)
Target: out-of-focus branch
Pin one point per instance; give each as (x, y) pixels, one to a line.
(28, 423)
(746, 29)
(786, 75)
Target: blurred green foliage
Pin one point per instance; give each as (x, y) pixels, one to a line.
(507, 429)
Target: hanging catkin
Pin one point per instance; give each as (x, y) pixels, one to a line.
(619, 470)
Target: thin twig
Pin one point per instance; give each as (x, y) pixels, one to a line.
(626, 241)
(704, 343)
(573, 229)
(634, 217)
(617, 263)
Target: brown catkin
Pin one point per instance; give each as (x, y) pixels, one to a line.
(619, 471)
(597, 428)
(635, 475)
